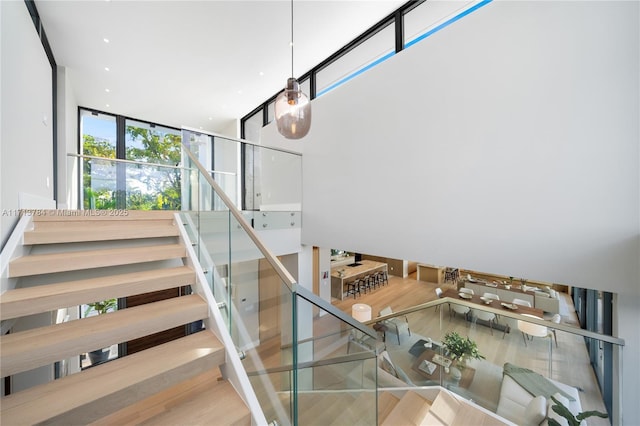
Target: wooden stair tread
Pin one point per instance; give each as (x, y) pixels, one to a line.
(313, 406)
(219, 403)
(104, 389)
(29, 349)
(357, 409)
(386, 402)
(102, 215)
(98, 233)
(72, 261)
(448, 410)
(27, 301)
(160, 402)
(410, 410)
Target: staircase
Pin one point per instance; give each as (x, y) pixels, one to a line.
(423, 407)
(77, 260)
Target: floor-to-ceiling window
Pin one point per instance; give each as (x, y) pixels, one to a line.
(129, 164)
(595, 313)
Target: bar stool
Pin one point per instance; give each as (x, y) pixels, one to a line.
(376, 279)
(451, 274)
(365, 283)
(353, 287)
(384, 278)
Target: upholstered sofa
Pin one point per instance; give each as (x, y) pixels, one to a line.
(519, 406)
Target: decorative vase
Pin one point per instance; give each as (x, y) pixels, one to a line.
(455, 374)
(99, 356)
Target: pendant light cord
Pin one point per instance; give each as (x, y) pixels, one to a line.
(292, 39)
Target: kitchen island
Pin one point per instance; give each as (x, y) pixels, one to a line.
(341, 275)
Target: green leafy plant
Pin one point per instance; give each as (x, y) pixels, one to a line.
(101, 307)
(461, 348)
(563, 411)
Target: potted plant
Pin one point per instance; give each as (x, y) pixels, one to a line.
(460, 348)
(572, 420)
(102, 307)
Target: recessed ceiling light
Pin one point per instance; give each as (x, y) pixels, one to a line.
(108, 105)
(210, 118)
(106, 40)
(107, 90)
(106, 68)
(239, 92)
(261, 73)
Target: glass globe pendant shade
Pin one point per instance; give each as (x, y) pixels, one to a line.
(293, 111)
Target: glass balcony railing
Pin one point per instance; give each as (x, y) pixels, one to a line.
(266, 179)
(518, 354)
(296, 347)
(109, 183)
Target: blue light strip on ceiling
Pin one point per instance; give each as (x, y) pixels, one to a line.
(448, 22)
(350, 76)
(408, 44)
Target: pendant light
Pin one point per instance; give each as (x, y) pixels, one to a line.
(292, 107)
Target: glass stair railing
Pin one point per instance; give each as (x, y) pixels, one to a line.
(294, 343)
(311, 363)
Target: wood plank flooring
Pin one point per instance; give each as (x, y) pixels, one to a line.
(571, 363)
(570, 359)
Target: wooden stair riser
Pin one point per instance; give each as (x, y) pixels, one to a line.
(98, 233)
(101, 215)
(98, 391)
(216, 404)
(386, 402)
(410, 410)
(78, 260)
(68, 225)
(29, 349)
(33, 300)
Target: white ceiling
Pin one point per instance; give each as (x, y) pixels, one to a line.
(201, 64)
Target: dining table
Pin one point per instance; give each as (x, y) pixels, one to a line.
(497, 304)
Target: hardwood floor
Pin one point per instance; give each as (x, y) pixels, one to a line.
(570, 360)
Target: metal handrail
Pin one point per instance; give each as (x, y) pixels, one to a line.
(284, 275)
(328, 307)
(271, 258)
(215, 135)
(143, 163)
(362, 356)
(120, 160)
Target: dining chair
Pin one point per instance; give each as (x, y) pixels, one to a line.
(489, 317)
(532, 330)
(396, 322)
(466, 290)
(556, 320)
(521, 302)
(439, 294)
(458, 309)
(491, 296)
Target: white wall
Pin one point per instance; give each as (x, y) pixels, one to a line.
(506, 143)
(26, 139)
(67, 141)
